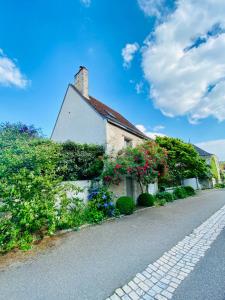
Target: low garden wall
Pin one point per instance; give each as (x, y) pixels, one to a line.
(84, 185)
(118, 190)
(193, 182)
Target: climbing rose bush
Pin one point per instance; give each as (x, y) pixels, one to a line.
(145, 163)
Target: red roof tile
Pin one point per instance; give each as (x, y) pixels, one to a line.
(114, 117)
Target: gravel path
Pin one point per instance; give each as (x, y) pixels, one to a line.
(93, 262)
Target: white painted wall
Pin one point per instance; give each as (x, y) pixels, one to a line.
(153, 188)
(84, 185)
(193, 182)
(78, 121)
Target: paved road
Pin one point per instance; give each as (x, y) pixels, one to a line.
(207, 281)
(91, 263)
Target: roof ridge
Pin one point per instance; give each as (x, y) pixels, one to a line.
(118, 119)
(112, 115)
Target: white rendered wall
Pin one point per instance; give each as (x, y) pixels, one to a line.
(193, 182)
(78, 121)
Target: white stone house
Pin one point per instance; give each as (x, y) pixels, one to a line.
(84, 119)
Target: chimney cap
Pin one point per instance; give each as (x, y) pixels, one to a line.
(80, 69)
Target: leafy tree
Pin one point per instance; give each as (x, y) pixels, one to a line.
(145, 163)
(183, 161)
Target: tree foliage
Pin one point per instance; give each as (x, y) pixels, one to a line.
(80, 161)
(183, 161)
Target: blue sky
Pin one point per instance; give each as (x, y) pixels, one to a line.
(135, 53)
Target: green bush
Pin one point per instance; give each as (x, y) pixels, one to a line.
(93, 215)
(70, 211)
(28, 187)
(165, 195)
(145, 199)
(80, 161)
(102, 199)
(179, 193)
(160, 202)
(33, 203)
(125, 205)
(219, 185)
(189, 190)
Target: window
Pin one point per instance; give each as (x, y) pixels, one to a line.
(127, 142)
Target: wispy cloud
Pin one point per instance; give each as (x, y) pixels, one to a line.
(183, 59)
(128, 53)
(87, 3)
(10, 74)
(139, 87)
(150, 134)
(158, 127)
(215, 147)
(152, 7)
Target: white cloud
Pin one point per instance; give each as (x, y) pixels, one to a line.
(184, 60)
(152, 7)
(158, 127)
(139, 87)
(10, 74)
(215, 147)
(128, 53)
(150, 134)
(87, 3)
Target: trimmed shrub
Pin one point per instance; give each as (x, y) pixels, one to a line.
(189, 190)
(179, 193)
(125, 205)
(146, 199)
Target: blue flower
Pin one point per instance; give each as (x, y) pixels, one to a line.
(105, 204)
(92, 194)
(104, 196)
(111, 203)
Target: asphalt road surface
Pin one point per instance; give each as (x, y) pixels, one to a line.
(92, 263)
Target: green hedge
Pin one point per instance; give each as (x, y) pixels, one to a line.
(165, 195)
(219, 186)
(179, 193)
(80, 161)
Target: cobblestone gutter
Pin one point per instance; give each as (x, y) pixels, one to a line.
(160, 279)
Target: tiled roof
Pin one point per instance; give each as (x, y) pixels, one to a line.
(202, 152)
(112, 116)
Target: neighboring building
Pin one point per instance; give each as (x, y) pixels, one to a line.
(212, 161)
(84, 119)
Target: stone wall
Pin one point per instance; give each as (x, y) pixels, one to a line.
(115, 138)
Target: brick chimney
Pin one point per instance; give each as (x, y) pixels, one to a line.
(81, 81)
